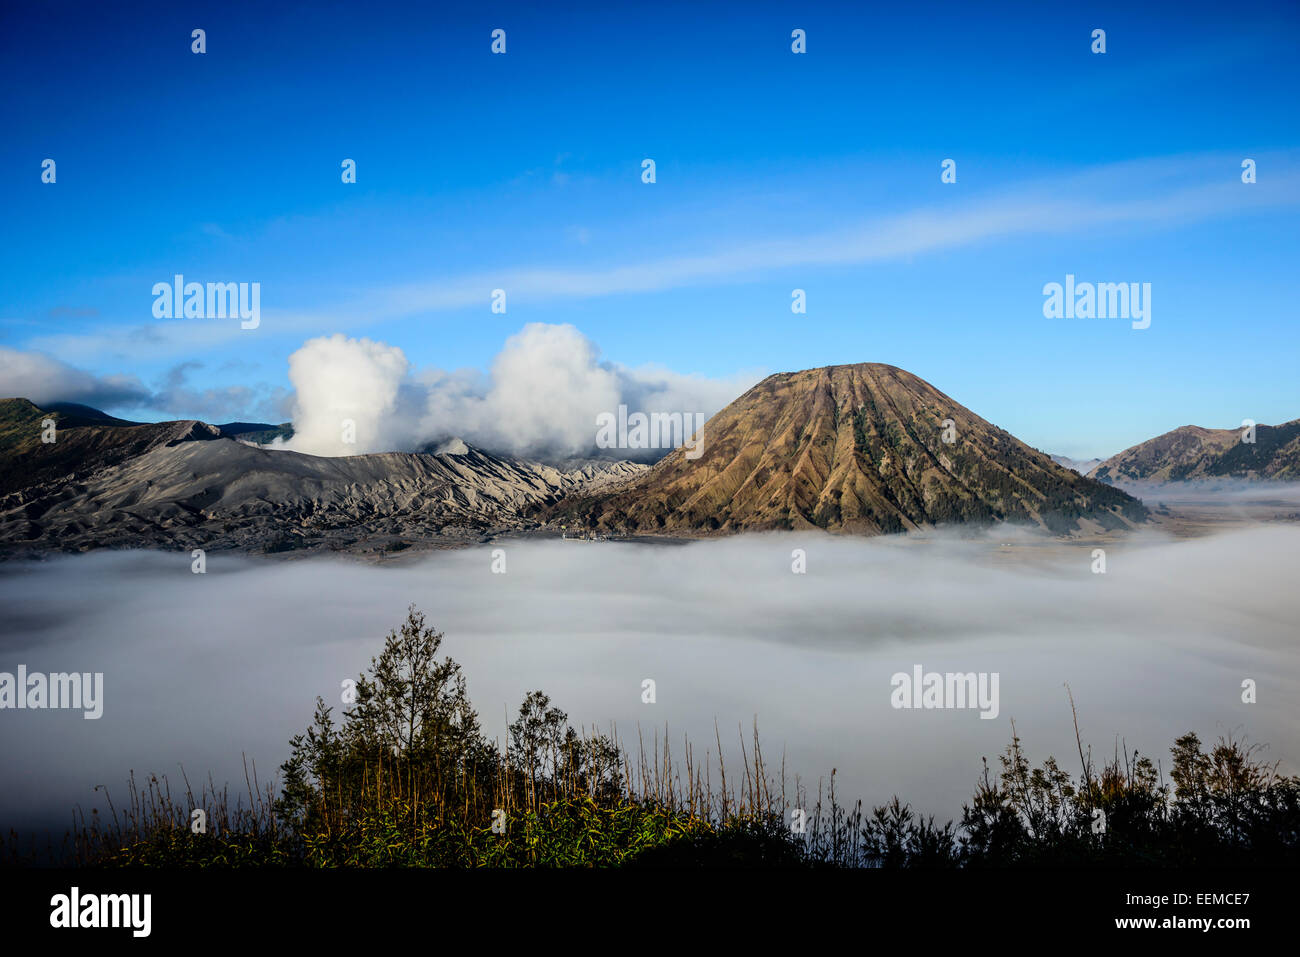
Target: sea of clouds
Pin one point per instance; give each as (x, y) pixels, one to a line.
(200, 670)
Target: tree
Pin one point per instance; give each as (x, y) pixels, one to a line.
(412, 716)
(536, 737)
(412, 704)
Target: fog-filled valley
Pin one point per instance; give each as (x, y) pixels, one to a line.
(202, 669)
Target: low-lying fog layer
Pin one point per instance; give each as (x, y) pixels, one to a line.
(1223, 493)
(199, 669)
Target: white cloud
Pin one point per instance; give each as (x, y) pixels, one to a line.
(541, 397)
(42, 378)
(345, 385)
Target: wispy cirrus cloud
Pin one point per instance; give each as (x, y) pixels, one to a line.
(1150, 194)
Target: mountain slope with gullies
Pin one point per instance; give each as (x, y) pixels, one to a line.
(1194, 454)
(84, 442)
(851, 448)
(108, 483)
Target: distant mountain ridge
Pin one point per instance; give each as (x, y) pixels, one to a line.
(1082, 466)
(1191, 453)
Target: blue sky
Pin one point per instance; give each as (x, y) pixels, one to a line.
(775, 171)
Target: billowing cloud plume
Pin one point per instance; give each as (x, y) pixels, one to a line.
(346, 396)
(541, 397)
